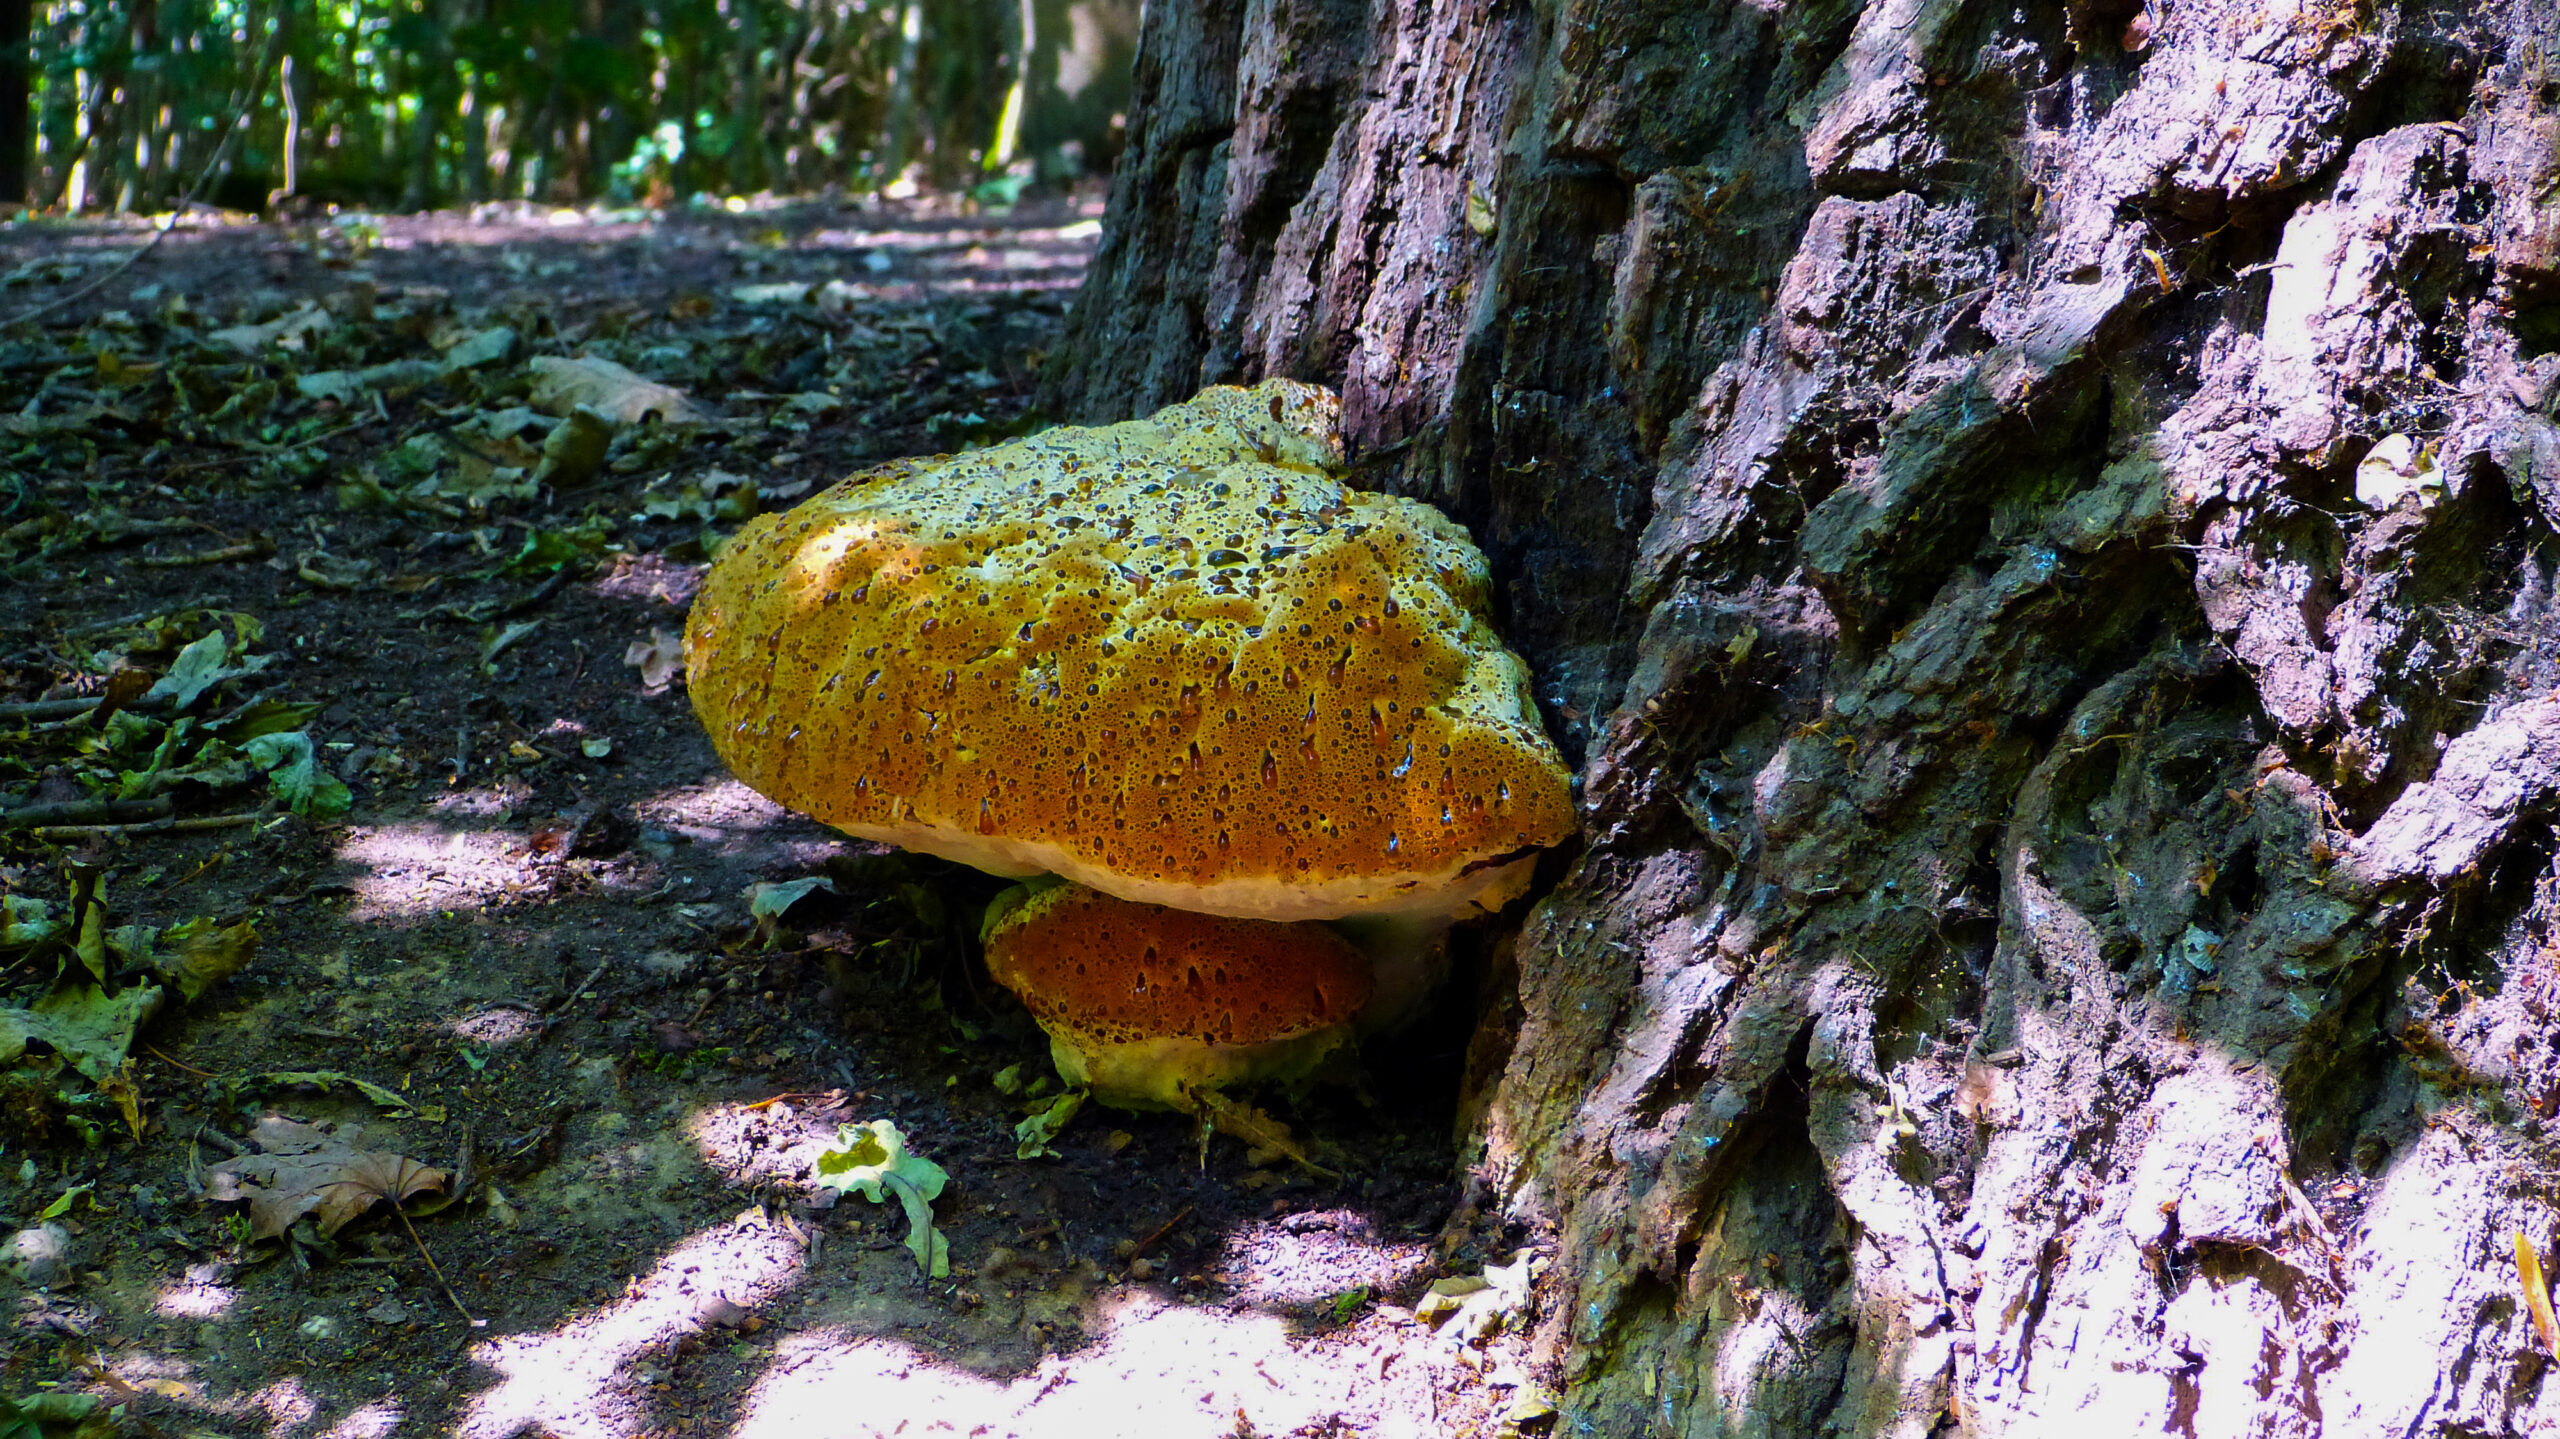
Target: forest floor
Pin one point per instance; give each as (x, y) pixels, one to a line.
(410, 1028)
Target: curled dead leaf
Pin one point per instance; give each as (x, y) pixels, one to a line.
(310, 1169)
(660, 658)
(616, 394)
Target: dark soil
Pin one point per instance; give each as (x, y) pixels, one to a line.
(533, 925)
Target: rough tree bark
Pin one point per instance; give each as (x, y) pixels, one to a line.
(2068, 931)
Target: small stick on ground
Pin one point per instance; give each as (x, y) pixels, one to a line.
(577, 989)
(71, 708)
(180, 1063)
(1162, 1230)
(266, 452)
(441, 1282)
(194, 824)
(247, 550)
(86, 811)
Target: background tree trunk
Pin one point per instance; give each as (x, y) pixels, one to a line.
(2068, 932)
(15, 132)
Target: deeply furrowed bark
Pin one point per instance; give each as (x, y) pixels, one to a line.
(2068, 926)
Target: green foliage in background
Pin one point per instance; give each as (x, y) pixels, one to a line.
(417, 103)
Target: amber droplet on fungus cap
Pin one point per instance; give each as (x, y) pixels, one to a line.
(1173, 659)
(1152, 1005)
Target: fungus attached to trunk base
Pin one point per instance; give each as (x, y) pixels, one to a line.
(1149, 1007)
(1176, 661)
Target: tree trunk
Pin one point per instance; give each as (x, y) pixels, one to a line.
(898, 127)
(15, 129)
(2037, 523)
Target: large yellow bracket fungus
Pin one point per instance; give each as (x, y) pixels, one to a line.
(1173, 659)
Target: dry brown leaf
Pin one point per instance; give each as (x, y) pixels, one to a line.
(659, 659)
(1987, 1095)
(310, 1169)
(616, 394)
(1255, 1128)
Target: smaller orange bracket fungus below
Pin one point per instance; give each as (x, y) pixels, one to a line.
(1174, 661)
(1152, 1007)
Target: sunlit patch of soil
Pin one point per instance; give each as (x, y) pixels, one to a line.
(1156, 1368)
(578, 1380)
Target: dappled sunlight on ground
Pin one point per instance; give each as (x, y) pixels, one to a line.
(287, 1405)
(202, 1294)
(498, 1025)
(487, 846)
(718, 809)
(1309, 1257)
(498, 851)
(477, 802)
(372, 1421)
(412, 870)
(1149, 1364)
(1156, 1369)
(576, 1382)
(765, 1144)
(286, 1409)
(1071, 237)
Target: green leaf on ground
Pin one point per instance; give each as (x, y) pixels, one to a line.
(26, 921)
(199, 954)
(202, 665)
(502, 638)
(770, 900)
(43, 1416)
(550, 549)
(871, 1160)
(293, 769)
(390, 1101)
(1033, 1136)
(494, 343)
(89, 1028)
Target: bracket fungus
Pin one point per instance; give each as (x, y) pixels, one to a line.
(1151, 1007)
(1175, 661)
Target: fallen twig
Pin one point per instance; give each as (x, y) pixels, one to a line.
(533, 597)
(245, 550)
(832, 1096)
(72, 708)
(180, 1063)
(250, 452)
(402, 1211)
(193, 824)
(1162, 1230)
(86, 811)
(577, 989)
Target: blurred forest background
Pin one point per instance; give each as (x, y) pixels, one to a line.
(417, 104)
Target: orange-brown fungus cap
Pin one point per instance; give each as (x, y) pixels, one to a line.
(1099, 972)
(1172, 659)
